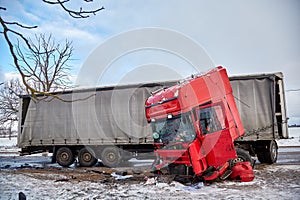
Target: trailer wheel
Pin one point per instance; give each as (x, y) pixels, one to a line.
(110, 156)
(65, 157)
(269, 153)
(243, 155)
(86, 157)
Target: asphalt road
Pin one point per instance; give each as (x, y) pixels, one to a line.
(288, 155)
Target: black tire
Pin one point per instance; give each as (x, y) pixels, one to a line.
(268, 154)
(243, 155)
(86, 157)
(111, 156)
(65, 156)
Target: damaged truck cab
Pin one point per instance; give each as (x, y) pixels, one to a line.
(195, 124)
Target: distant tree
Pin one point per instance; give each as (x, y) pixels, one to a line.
(9, 98)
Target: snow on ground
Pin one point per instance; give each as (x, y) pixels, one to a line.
(271, 182)
(294, 138)
(8, 142)
(8, 146)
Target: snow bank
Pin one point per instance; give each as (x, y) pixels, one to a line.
(294, 138)
(6, 142)
(8, 146)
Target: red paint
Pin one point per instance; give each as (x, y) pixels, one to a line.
(206, 103)
(242, 171)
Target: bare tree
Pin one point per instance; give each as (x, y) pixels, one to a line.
(44, 65)
(27, 76)
(9, 98)
(44, 68)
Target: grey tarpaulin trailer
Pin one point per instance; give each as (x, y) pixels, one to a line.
(106, 122)
(261, 103)
(109, 123)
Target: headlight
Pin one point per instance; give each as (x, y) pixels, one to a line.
(155, 135)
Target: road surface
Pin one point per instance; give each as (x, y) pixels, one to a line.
(288, 155)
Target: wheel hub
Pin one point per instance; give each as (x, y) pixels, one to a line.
(64, 156)
(87, 157)
(273, 152)
(111, 157)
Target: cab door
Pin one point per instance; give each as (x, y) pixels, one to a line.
(215, 139)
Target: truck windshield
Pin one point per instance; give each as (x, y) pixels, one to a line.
(176, 129)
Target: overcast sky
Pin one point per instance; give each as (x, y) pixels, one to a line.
(257, 36)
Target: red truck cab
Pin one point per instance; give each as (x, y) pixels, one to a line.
(195, 123)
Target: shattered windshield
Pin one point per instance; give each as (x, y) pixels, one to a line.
(176, 129)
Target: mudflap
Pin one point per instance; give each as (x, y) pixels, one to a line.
(242, 171)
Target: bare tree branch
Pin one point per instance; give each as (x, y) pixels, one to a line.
(75, 14)
(45, 65)
(42, 67)
(21, 25)
(12, 52)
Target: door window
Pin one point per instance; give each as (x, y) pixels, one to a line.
(211, 119)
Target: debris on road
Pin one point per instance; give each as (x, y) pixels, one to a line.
(120, 177)
(150, 181)
(194, 187)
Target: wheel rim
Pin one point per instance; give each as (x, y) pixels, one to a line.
(64, 156)
(87, 157)
(111, 157)
(273, 152)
